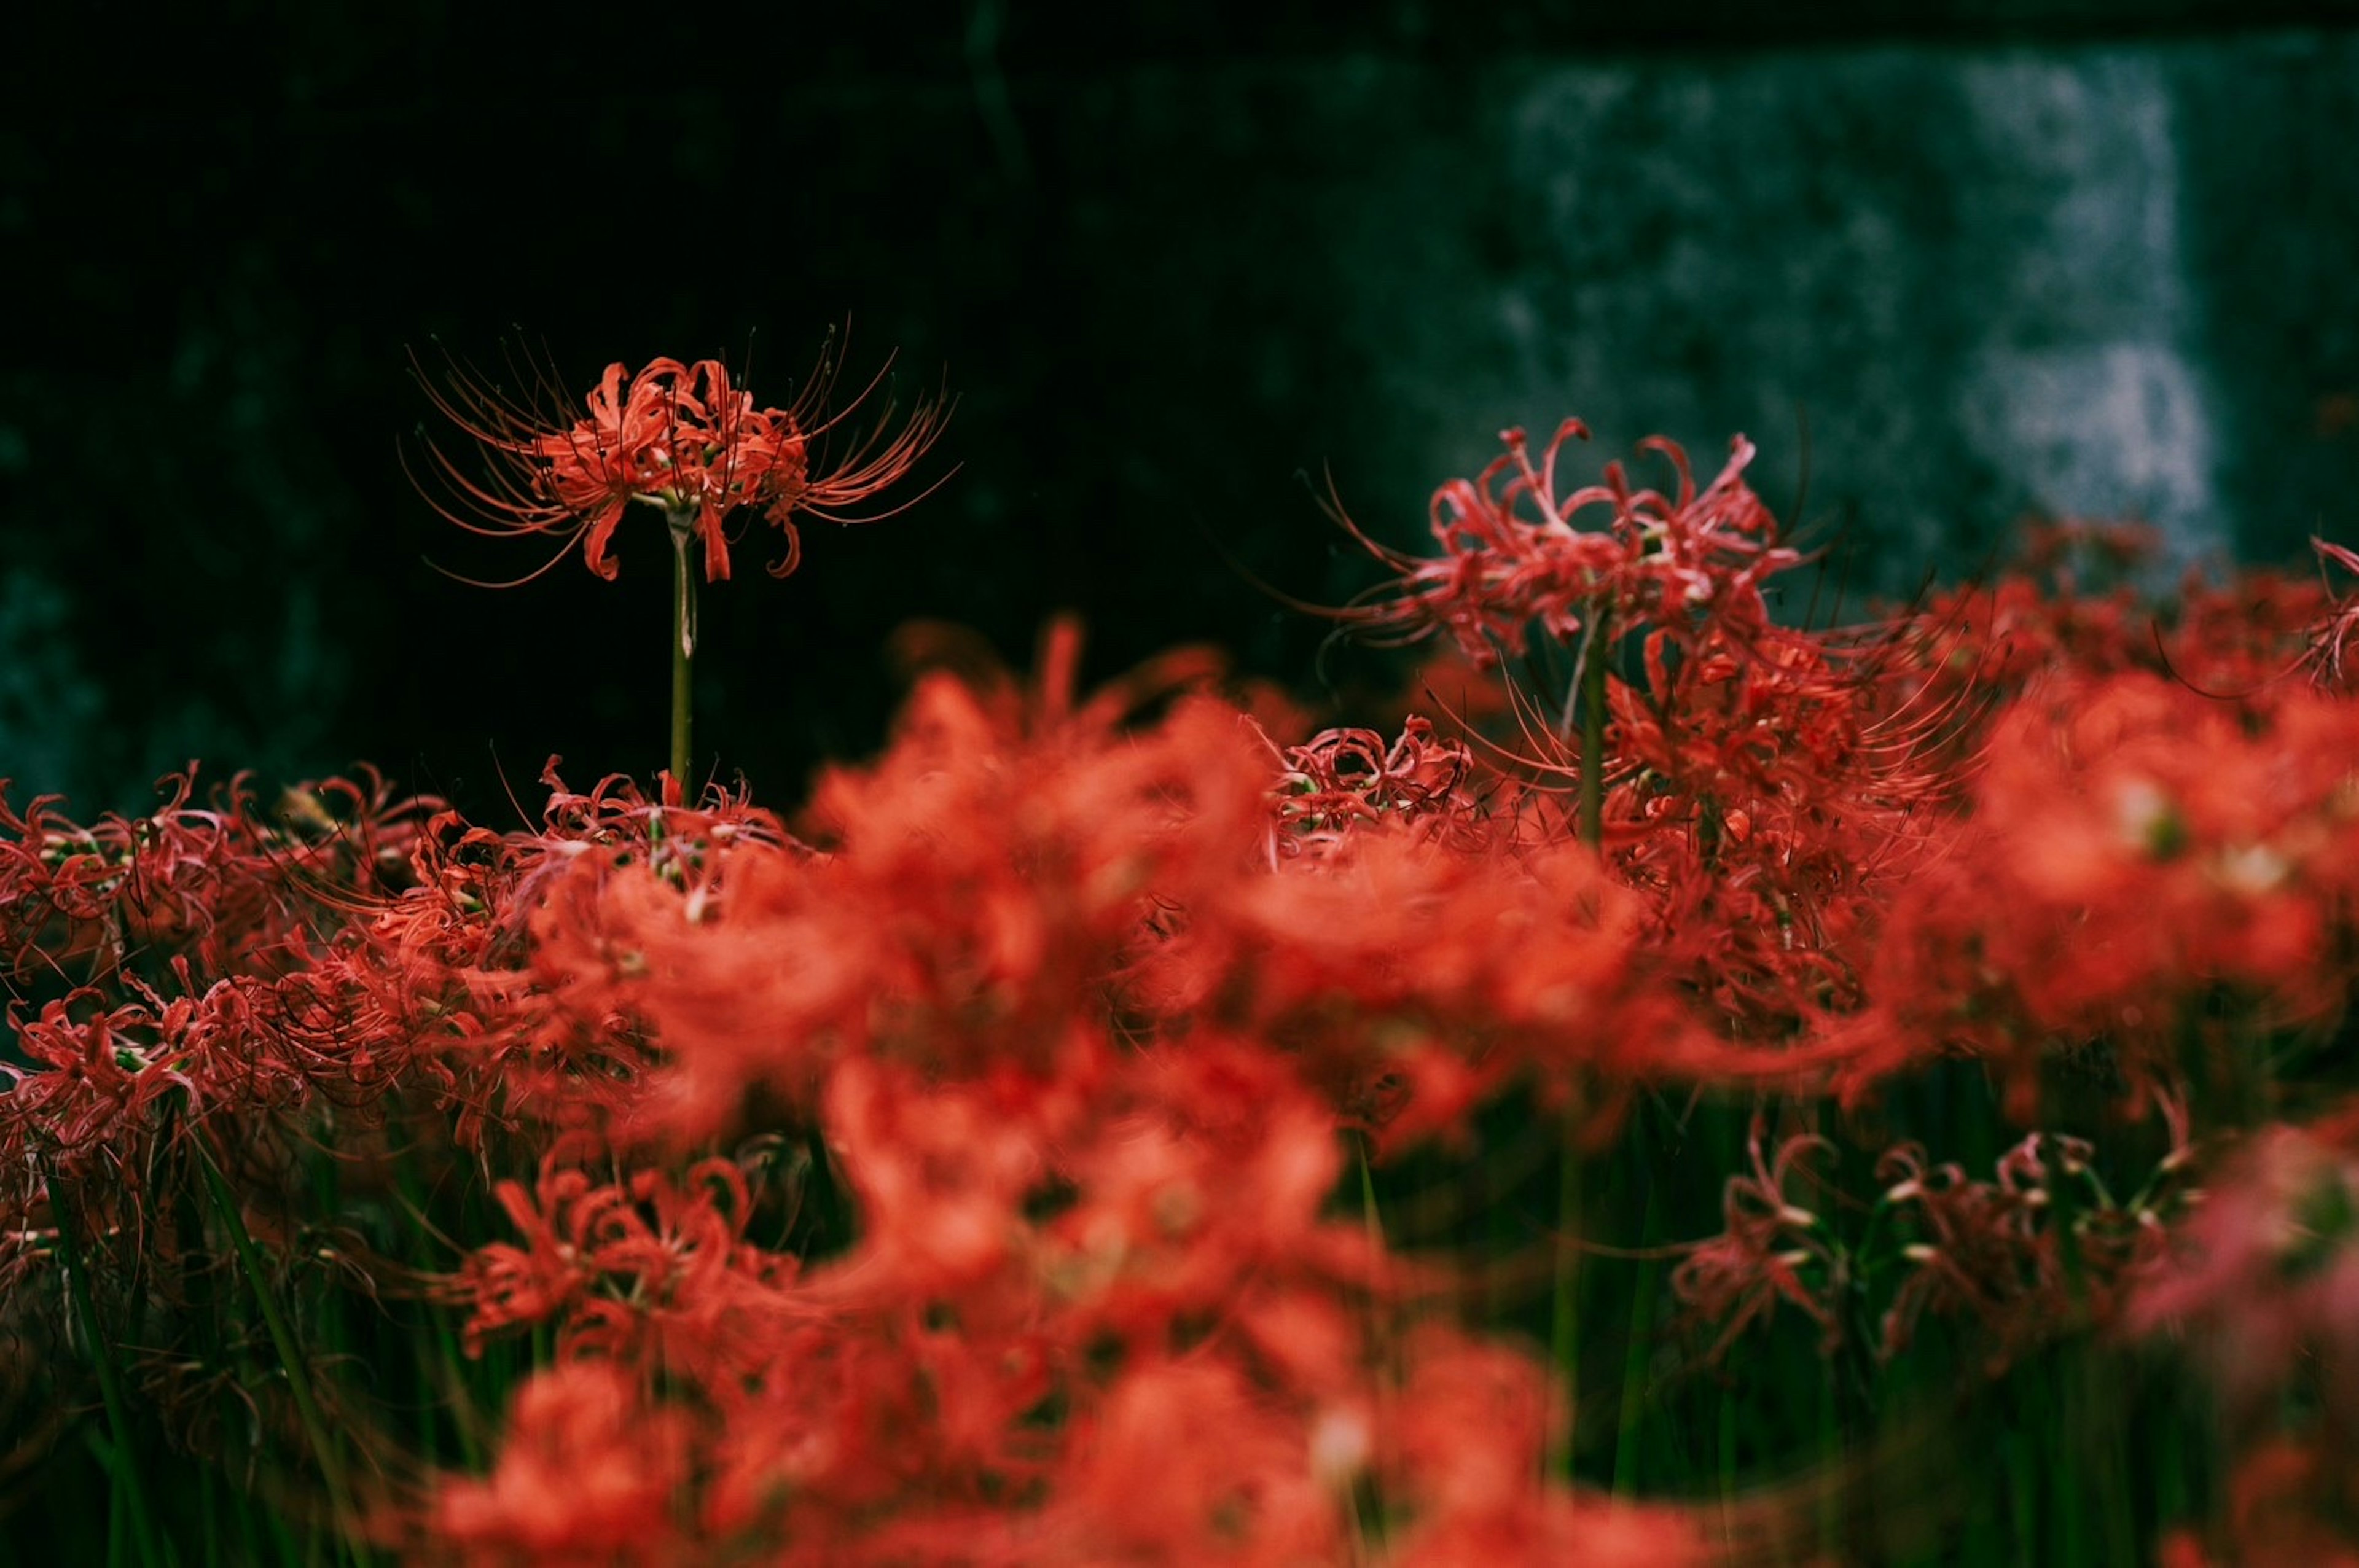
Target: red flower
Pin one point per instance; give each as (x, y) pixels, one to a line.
(1512, 557)
(683, 438)
(2330, 635)
(1773, 1249)
(1340, 777)
(646, 1267)
(587, 1473)
(1461, 1446)
(2138, 853)
(2030, 1256)
(2262, 1281)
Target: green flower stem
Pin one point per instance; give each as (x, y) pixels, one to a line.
(1598, 641)
(1564, 1325)
(1564, 1347)
(1832, 1497)
(125, 1460)
(449, 1373)
(1639, 1354)
(683, 640)
(282, 1339)
(118, 1529)
(209, 1520)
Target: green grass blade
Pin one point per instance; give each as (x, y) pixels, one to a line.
(123, 1464)
(282, 1339)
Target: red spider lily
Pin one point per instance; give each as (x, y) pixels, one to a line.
(643, 1269)
(216, 884)
(1409, 979)
(1762, 799)
(1759, 783)
(1174, 1365)
(2037, 1250)
(683, 439)
(2136, 849)
(2332, 635)
(2243, 633)
(1344, 776)
(1774, 1249)
(1202, 1182)
(2236, 637)
(2261, 1284)
(980, 883)
(942, 1174)
(1671, 561)
(494, 961)
(1189, 1462)
(1006, 859)
(588, 1473)
(1460, 1444)
(100, 1109)
(2289, 1502)
(245, 1050)
(2263, 1279)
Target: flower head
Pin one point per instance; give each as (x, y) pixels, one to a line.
(683, 438)
(1512, 557)
(2330, 637)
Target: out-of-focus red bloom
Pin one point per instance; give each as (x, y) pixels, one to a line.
(2289, 1503)
(2135, 848)
(1203, 1176)
(2066, 549)
(1409, 978)
(942, 1173)
(2263, 1277)
(1187, 1462)
(2261, 1286)
(683, 439)
(589, 1472)
(1460, 1446)
(983, 882)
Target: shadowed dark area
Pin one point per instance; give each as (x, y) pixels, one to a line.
(2002, 258)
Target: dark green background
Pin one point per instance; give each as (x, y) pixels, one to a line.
(2092, 258)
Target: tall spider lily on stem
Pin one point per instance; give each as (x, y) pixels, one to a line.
(685, 440)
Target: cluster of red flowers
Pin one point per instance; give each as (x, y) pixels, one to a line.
(182, 973)
(1078, 1039)
(2176, 873)
(2041, 1249)
(955, 1172)
(2262, 1287)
